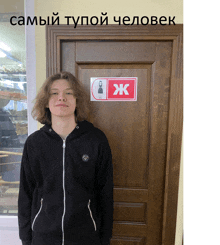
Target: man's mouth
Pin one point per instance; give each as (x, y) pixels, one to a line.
(62, 105)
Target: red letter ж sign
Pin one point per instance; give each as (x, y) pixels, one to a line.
(113, 88)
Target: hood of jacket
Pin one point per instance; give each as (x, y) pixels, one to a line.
(81, 128)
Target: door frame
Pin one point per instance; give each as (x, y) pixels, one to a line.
(55, 35)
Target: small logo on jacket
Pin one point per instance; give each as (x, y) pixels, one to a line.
(85, 158)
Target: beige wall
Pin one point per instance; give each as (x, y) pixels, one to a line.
(179, 224)
(116, 8)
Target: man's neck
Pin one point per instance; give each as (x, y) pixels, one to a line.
(63, 126)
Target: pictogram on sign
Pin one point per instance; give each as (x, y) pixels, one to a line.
(113, 88)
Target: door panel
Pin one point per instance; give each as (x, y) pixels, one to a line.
(114, 51)
(140, 133)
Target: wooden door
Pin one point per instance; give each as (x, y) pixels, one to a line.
(144, 135)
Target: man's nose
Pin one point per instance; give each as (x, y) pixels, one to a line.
(62, 97)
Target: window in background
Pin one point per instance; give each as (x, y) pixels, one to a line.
(13, 107)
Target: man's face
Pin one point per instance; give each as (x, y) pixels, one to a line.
(62, 102)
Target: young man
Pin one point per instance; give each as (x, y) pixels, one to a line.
(66, 182)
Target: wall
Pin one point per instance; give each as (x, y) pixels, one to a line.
(179, 223)
(113, 8)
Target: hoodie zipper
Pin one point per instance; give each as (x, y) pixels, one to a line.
(90, 211)
(64, 192)
(41, 205)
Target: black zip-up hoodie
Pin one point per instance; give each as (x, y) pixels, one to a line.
(66, 188)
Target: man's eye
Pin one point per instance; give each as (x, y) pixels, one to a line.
(54, 93)
(69, 93)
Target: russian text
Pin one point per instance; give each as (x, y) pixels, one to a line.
(94, 20)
